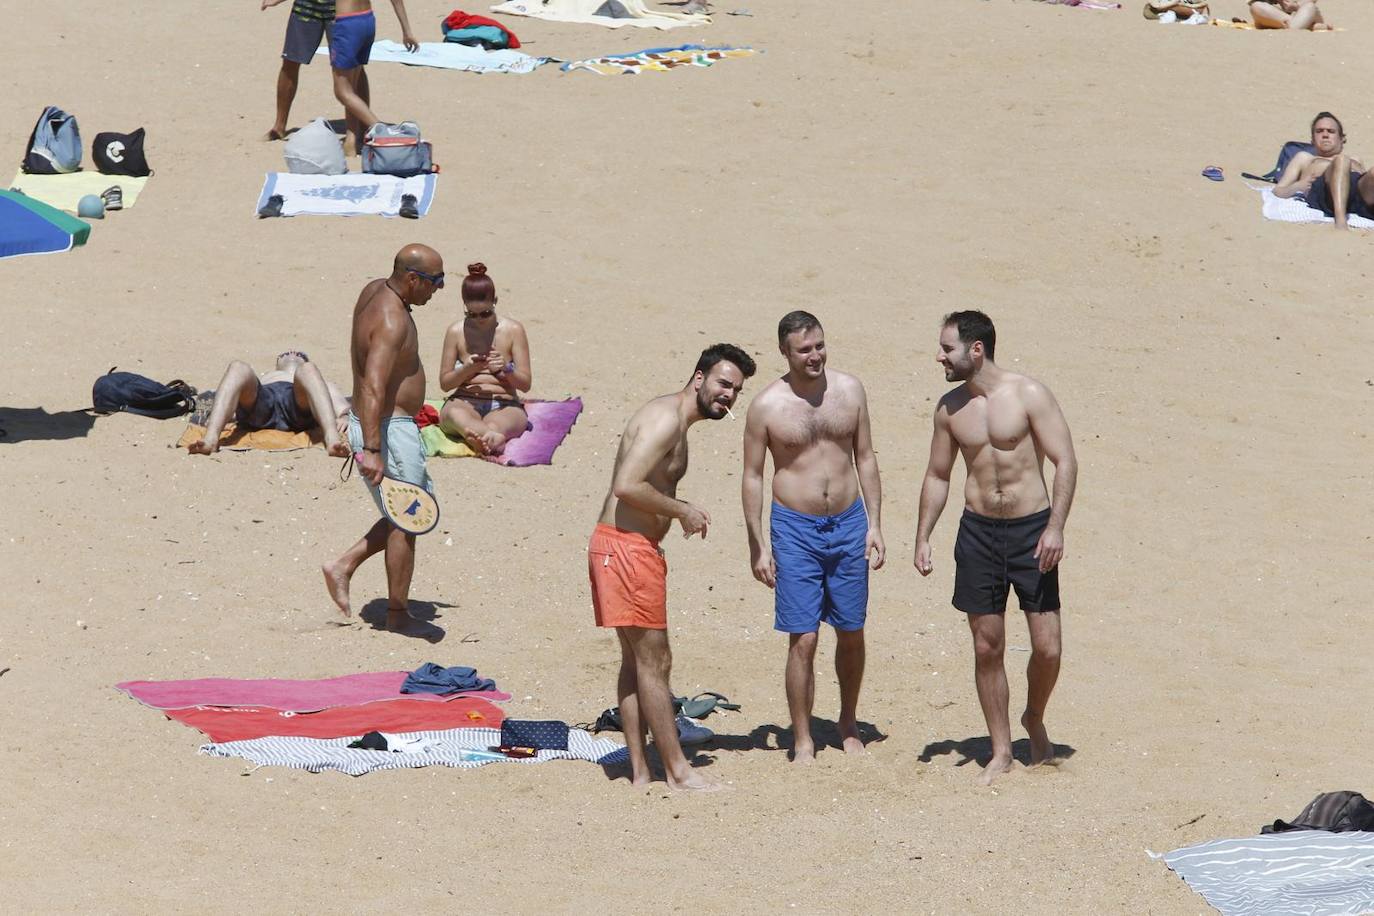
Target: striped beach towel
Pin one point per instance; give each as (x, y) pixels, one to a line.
(319, 754)
(1307, 872)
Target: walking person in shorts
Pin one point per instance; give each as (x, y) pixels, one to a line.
(350, 48)
(1011, 535)
(814, 422)
(629, 575)
(388, 390)
(305, 29)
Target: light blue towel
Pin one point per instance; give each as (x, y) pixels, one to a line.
(448, 56)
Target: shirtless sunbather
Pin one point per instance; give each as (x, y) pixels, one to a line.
(1329, 180)
(294, 397)
(486, 364)
(1288, 14)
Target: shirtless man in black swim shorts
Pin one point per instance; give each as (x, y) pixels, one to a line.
(294, 397)
(1329, 180)
(1012, 533)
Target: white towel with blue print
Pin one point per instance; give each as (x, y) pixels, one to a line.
(1296, 873)
(356, 194)
(450, 56)
(454, 747)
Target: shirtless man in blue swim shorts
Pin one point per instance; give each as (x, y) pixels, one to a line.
(814, 422)
(294, 398)
(388, 390)
(350, 46)
(1012, 533)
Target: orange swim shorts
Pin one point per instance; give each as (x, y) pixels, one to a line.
(629, 579)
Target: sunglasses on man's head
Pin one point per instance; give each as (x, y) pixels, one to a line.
(485, 313)
(436, 279)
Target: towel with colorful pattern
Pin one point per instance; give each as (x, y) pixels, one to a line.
(659, 59)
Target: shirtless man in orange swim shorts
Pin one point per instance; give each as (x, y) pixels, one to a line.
(629, 575)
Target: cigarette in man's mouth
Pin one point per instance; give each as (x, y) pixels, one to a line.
(730, 413)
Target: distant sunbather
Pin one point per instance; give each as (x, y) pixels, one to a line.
(1329, 180)
(1287, 14)
(294, 397)
(486, 363)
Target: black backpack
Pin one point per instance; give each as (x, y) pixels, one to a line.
(1334, 811)
(120, 154)
(134, 393)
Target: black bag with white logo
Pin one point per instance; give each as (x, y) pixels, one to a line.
(120, 154)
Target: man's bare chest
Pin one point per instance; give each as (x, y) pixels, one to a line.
(798, 425)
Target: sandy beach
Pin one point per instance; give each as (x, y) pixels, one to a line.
(879, 167)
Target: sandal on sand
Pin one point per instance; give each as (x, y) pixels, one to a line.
(113, 197)
(272, 207)
(1214, 173)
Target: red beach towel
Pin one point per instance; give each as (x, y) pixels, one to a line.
(412, 714)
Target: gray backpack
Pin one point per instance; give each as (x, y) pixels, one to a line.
(55, 144)
(396, 149)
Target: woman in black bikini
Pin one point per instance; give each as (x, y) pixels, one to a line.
(486, 364)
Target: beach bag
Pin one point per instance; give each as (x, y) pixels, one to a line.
(133, 393)
(315, 150)
(396, 149)
(55, 144)
(542, 735)
(1334, 811)
(120, 154)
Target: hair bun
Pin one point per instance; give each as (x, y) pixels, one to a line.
(477, 270)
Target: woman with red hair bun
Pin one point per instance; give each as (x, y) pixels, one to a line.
(486, 366)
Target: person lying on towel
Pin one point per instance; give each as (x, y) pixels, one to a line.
(1287, 14)
(294, 397)
(1329, 180)
(486, 364)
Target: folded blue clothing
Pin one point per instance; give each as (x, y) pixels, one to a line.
(432, 678)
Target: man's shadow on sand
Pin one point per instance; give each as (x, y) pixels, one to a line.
(22, 424)
(979, 750)
(763, 738)
(421, 624)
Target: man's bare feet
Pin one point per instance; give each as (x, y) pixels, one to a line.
(997, 766)
(337, 449)
(1042, 749)
(692, 781)
(207, 445)
(397, 619)
(804, 752)
(274, 134)
(849, 738)
(336, 582)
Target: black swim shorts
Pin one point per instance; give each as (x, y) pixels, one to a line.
(1319, 197)
(993, 555)
(275, 408)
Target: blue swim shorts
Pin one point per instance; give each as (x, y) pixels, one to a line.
(822, 572)
(275, 408)
(402, 449)
(350, 40)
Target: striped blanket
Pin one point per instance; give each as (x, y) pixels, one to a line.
(319, 754)
(659, 60)
(1307, 872)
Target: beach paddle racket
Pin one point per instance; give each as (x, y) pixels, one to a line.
(408, 506)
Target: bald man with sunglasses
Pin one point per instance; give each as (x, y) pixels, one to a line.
(294, 397)
(388, 390)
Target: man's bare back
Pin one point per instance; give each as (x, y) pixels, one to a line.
(379, 307)
(812, 443)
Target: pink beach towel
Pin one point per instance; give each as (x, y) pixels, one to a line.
(550, 423)
(293, 696)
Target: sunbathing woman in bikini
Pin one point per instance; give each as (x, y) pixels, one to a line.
(1287, 14)
(486, 364)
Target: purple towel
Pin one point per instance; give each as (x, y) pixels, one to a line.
(297, 696)
(550, 423)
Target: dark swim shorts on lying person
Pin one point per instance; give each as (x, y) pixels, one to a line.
(276, 408)
(993, 556)
(1318, 197)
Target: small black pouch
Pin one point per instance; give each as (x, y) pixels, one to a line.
(542, 735)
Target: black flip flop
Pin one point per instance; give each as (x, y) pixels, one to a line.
(272, 207)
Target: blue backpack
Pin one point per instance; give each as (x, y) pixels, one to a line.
(55, 144)
(133, 393)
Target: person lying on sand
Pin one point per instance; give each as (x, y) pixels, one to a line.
(1183, 10)
(1329, 180)
(1288, 14)
(486, 364)
(294, 397)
